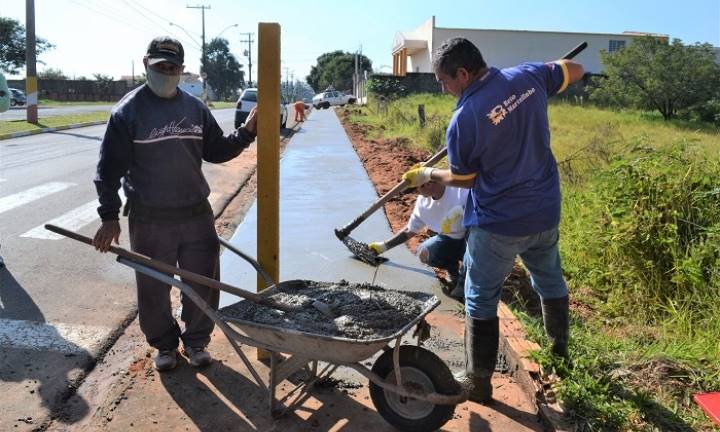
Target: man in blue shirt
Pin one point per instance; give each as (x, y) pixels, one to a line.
(499, 147)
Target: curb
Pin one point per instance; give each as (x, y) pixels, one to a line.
(516, 348)
(52, 129)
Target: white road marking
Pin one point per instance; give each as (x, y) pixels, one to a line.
(61, 337)
(73, 220)
(27, 196)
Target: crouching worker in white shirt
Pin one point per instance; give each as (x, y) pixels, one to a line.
(440, 208)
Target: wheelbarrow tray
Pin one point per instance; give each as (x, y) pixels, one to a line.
(332, 349)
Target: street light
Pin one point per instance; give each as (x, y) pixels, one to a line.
(223, 31)
(187, 33)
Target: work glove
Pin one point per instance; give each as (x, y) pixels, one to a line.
(378, 247)
(417, 176)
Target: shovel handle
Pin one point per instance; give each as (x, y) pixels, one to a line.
(170, 269)
(575, 51)
(400, 187)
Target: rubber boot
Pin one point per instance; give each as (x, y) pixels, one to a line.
(556, 317)
(481, 347)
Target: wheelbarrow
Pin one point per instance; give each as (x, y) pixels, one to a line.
(411, 388)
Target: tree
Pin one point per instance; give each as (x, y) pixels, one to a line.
(104, 84)
(12, 45)
(654, 74)
(336, 69)
(52, 74)
(224, 72)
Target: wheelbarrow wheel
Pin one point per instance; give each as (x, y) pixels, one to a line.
(422, 371)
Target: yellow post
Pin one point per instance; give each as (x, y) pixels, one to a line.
(268, 155)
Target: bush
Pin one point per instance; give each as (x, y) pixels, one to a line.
(708, 111)
(658, 232)
(389, 88)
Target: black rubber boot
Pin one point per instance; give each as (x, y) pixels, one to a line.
(556, 317)
(481, 347)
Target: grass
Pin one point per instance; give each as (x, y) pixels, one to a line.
(23, 126)
(644, 337)
(56, 103)
(222, 105)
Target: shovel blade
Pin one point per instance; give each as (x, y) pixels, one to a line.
(361, 251)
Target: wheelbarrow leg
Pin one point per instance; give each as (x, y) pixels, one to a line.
(272, 384)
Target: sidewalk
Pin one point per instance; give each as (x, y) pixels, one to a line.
(323, 185)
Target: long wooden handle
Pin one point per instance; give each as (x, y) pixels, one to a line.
(166, 268)
(575, 51)
(400, 187)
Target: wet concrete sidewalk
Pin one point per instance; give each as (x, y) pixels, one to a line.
(323, 186)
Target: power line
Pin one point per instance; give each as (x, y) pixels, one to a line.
(112, 18)
(156, 23)
(162, 18)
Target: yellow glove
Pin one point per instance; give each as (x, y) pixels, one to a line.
(450, 222)
(417, 176)
(378, 247)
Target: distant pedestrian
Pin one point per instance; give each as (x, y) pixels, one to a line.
(499, 147)
(299, 111)
(156, 140)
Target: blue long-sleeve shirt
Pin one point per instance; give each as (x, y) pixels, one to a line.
(157, 145)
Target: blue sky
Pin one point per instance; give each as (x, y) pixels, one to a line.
(106, 36)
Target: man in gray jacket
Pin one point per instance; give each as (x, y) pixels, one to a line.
(156, 140)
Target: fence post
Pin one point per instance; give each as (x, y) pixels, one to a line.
(421, 115)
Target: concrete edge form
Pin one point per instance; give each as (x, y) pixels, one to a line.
(516, 349)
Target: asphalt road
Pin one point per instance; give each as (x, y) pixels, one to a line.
(60, 301)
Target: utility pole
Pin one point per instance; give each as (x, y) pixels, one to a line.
(248, 52)
(132, 80)
(204, 51)
(31, 84)
(287, 83)
(292, 86)
(356, 77)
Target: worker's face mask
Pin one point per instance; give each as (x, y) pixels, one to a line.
(161, 84)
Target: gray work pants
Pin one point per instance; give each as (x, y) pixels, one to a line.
(192, 244)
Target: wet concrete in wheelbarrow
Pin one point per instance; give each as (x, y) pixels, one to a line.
(362, 311)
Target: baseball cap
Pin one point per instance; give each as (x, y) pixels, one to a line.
(165, 48)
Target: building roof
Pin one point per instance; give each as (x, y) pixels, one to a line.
(625, 33)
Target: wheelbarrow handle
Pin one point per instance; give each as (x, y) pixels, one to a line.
(170, 269)
(269, 282)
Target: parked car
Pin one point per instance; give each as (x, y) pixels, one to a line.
(247, 101)
(330, 98)
(17, 97)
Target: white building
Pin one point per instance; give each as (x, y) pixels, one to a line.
(412, 51)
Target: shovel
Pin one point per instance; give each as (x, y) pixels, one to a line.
(361, 250)
(190, 276)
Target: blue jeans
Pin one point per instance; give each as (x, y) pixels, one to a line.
(490, 257)
(444, 252)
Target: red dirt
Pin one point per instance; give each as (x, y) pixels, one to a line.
(385, 161)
